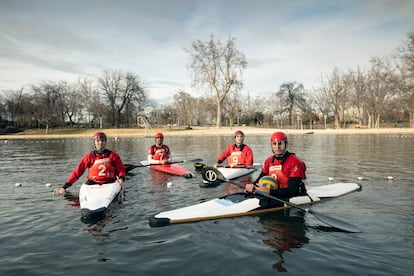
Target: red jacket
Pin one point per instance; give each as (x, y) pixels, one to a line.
(242, 155)
(103, 168)
(283, 169)
(159, 153)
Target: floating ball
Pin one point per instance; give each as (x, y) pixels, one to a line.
(268, 182)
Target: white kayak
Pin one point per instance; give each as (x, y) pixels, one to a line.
(210, 179)
(242, 204)
(95, 200)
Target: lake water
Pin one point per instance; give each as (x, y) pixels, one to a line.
(42, 234)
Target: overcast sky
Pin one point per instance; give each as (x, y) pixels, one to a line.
(283, 40)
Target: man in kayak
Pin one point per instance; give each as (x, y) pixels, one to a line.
(159, 153)
(237, 154)
(286, 168)
(105, 166)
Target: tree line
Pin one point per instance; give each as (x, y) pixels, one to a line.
(380, 95)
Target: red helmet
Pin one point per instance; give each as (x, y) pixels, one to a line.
(239, 132)
(99, 135)
(278, 136)
(159, 135)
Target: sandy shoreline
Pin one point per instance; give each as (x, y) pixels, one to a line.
(212, 131)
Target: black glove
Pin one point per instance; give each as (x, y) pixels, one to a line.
(66, 185)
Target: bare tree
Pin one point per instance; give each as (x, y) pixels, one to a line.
(93, 101)
(382, 84)
(219, 67)
(49, 103)
(185, 105)
(120, 89)
(110, 84)
(407, 77)
(291, 95)
(206, 110)
(231, 107)
(335, 92)
(13, 105)
(74, 102)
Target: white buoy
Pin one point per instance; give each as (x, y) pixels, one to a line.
(18, 184)
(330, 178)
(48, 184)
(360, 178)
(169, 184)
(390, 177)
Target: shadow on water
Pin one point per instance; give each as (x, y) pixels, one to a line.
(284, 231)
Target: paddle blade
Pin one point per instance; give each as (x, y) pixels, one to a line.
(212, 175)
(336, 223)
(194, 160)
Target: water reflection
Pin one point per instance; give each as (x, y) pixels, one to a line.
(31, 235)
(73, 199)
(284, 231)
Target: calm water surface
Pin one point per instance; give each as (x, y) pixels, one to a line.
(41, 234)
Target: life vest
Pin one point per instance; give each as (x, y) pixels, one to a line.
(236, 156)
(276, 171)
(159, 152)
(102, 170)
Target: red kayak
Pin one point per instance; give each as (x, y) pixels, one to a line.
(174, 169)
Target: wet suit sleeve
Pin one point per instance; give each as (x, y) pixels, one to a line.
(224, 155)
(119, 166)
(79, 170)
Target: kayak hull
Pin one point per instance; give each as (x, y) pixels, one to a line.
(242, 204)
(95, 200)
(174, 169)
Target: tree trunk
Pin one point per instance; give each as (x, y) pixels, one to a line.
(219, 113)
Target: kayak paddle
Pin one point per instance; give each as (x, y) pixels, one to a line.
(129, 167)
(212, 175)
(200, 166)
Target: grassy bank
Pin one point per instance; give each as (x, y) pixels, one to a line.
(196, 131)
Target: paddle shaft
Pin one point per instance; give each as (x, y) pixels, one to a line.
(174, 162)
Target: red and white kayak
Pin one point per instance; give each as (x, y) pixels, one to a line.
(95, 200)
(173, 168)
